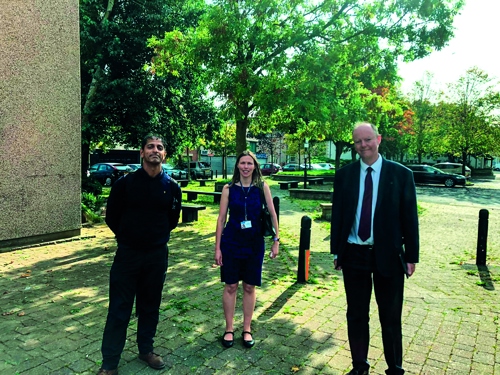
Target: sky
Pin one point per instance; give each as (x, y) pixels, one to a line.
(474, 44)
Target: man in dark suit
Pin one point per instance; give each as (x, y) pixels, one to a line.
(375, 242)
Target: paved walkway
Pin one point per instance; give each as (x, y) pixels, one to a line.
(53, 303)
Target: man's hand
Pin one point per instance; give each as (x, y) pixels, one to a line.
(338, 268)
(411, 268)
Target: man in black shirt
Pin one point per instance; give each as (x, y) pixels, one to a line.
(143, 208)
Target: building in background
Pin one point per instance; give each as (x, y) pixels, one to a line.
(40, 134)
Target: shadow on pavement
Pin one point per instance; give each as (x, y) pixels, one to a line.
(485, 276)
(280, 301)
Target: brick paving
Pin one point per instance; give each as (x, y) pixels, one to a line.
(53, 302)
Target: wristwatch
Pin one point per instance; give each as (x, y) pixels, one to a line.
(276, 239)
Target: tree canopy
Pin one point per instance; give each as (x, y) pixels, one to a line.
(251, 52)
(470, 114)
(460, 123)
(121, 100)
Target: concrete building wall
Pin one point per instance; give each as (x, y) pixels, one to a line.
(39, 121)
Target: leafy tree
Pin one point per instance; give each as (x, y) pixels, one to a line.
(422, 101)
(246, 47)
(270, 144)
(391, 112)
(468, 116)
(121, 100)
(223, 142)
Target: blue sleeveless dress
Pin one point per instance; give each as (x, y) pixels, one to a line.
(243, 249)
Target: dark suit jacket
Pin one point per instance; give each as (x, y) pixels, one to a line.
(395, 221)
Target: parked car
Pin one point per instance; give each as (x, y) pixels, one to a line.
(326, 166)
(304, 166)
(496, 167)
(320, 166)
(291, 167)
(198, 169)
(134, 166)
(268, 169)
(425, 174)
(173, 172)
(108, 173)
(453, 168)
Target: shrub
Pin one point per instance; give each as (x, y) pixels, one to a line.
(92, 207)
(91, 185)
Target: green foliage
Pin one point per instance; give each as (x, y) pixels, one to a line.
(93, 202)
(302, 66)
(121, 100)
(465, 120)
(394, 118)
(92, 206)
(422, 127)
(90, 216)
(224, 142)
(91, 185)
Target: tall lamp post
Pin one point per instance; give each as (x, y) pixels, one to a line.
(306, 146)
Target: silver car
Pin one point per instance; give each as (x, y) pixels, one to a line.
(453, 168)
(175, 173)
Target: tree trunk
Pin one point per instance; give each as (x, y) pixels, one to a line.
(241, 135)
(85, 158)
(89, 99)
(464, 161)
(224, 164)
(338, 153)
(188, 163)
(242, 126)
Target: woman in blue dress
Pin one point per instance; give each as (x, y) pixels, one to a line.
(239, 244)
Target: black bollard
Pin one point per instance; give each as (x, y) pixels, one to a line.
(216, 173)
(304, 251)
(276, 204)
(211, 174)
(482, 237)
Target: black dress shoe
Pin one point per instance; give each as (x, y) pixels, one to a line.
(247, 343)
(227, 343)
(358, 372)
(153, 360)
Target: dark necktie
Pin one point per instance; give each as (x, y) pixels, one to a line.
(365, 221)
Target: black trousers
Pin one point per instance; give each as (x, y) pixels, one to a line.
(135, 274)
(360, 276)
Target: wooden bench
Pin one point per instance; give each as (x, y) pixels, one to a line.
(193, 194)
(326, 211)
(183, 183)
(311, 194)
(204, 181)
(284, 185)
(318, 180)
(190, 212)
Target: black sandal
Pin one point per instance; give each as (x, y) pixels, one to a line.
(247, 343)
(227, 343)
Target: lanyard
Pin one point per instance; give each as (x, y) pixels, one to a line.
(246, 196)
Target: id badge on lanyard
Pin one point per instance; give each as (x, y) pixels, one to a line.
(246, 224)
